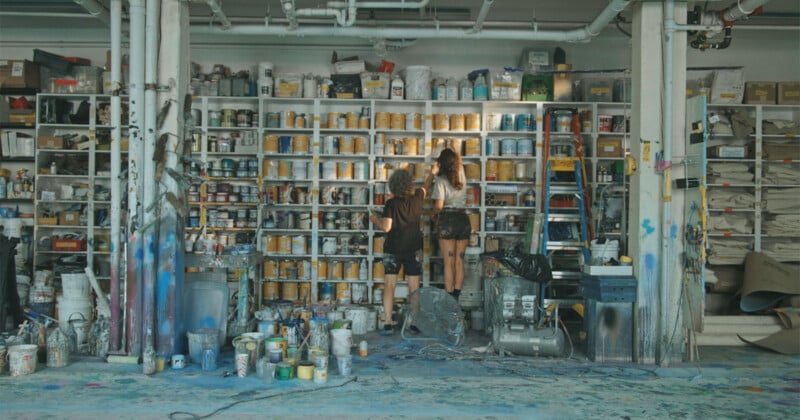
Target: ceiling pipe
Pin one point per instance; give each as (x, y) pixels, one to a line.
(94, 8)
(217, 10)
(573, 35)
(742, 8)
(487, 4)
(381, 4)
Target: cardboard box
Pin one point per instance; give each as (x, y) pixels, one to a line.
(19, 74)
(65, 245)
(762, 93)
(788, 93)
(69, 218)
(727, 87)
(49, 142)
(611, 147)
(47, 221)
(780, 151)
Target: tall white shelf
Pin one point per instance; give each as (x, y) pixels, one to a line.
(317, 184)
(92, 163)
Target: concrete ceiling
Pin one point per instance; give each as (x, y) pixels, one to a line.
(503, 13)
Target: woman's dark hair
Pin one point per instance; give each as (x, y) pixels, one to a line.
(401, 183)
(450, 167)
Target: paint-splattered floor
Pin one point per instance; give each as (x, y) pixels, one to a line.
(422, 379)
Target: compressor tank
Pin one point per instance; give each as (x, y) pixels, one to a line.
(527, 340)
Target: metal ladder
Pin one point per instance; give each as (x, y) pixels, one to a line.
(579, 215)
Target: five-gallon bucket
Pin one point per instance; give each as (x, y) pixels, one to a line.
(342, 341)
(75, 285)
(201, 339)
(22, 359)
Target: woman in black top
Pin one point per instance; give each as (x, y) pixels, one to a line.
(403, 246)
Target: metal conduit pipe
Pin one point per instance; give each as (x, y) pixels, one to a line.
(94, 8)
(381, 4)
(574, 35)
(116, 170)
(217, 10)
(487, 4)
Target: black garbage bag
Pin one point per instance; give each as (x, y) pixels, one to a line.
(533, 267)
(9, 298)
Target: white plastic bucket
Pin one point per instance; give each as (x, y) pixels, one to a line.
(342, 340)
(358, 318)
(75, 285)
(602, 253)
(201, 339)
(22, 359)
(418, 83)
(76, 309)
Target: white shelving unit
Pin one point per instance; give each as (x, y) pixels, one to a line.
(319, 177)
(74, 202)
(763, 162)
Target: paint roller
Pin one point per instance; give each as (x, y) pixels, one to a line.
(103, 307)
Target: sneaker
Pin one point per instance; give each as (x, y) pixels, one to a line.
(414, 330)
(386, 330)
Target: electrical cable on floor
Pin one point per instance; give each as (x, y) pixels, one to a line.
(175, 414)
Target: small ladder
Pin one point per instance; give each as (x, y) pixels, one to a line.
(578, 189)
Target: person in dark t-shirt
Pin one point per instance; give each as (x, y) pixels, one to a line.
(401, 219)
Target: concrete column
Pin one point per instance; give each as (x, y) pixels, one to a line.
(645, 201)
(173, 73)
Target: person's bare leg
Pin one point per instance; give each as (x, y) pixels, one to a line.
(461, 249)
(448, 249)
(389, 283)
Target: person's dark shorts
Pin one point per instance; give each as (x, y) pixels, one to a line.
(411, 263)
(453, 225)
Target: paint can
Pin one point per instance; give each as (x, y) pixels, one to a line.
(275, 356)
(288, 119)
(320, 375)
(283, 269)
(289, 290)
(523, 122)
(472, 147)
(22, 359)
(269, 290)
(328, 170)
(284, 371)
(346, 146)
(563, 121)
(524, 147)
(284, 245)
(358, 318)
(270, 144)
(305, 371)
(377, 245)
(361, 170)
(299, 245)
(300, 144)
(473, 171)
(441, 122)
(345, 364)
(344, 170)
(605, 123)
(351, 270)
(359, 292)
(75, 285)
(244, 118)
(342, 292)
(214, 118)
(473, 122)
(418, 83)
(341, 341)
(200, 340)
(505, 170)
(228, 117)
(413, 121)
(284, 169)
(377, 270)
(508, 147)
(304, 291)
(457, 122)
(304, 269)
(382, 120)
(336, 271)
(360, 145)
(351, 120)
(273, 119)
(265, 69)
(397, 121)
(521, 171)
(410, 146)
(326, 292)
